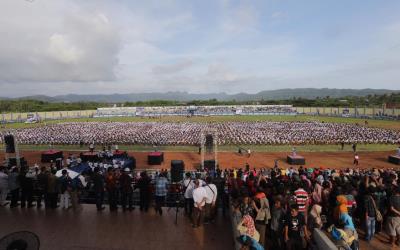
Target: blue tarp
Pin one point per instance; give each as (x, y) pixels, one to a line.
(84, 167)
(81, 168)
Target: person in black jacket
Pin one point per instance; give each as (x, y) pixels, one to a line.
(125, 182)
(98, 188)
(144, 187)
(26, 188)
(41, 186)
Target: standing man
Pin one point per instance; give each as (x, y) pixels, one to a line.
(144, 191)
(211, 198)
(356, 159)
(188, 185)
(199, 198)
(42, 178)
(98, 186)
(354, 147)
(3, 186)
(26, 180)
(161, 191)
(393, 221)
(65, 188)
(51, 192)
(14, 186)
(111, 187)
(370, 213)
(125, 181)
(294, 228)
(302, 201)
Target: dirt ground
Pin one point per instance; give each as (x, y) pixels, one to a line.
(337, 160)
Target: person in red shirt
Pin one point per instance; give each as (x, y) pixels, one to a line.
(302, 201)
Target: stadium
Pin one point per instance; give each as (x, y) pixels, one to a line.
(202, 139)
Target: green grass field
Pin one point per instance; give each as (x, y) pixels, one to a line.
(373, 123)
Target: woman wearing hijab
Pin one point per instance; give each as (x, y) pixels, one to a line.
(315, 217)
(341, 207)
(248, 233)
(263, 214)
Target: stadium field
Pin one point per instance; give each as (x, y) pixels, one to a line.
(241, 118)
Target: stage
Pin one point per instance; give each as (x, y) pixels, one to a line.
(296, 160)
(89, 156)
(395, 159)
(155, 158)
(51, 155)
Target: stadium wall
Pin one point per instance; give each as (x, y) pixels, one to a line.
(330, 111)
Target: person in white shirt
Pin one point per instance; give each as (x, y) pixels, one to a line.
(211, 198)
(188, 186)
(199, 199)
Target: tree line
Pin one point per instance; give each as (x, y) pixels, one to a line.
(26, 105)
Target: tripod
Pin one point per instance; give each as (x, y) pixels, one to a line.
(176, 202)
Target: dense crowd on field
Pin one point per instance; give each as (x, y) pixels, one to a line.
(273, 208)
(189, 133)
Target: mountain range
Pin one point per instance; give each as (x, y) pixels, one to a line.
(280, 94)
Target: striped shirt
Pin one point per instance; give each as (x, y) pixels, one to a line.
(301, 199)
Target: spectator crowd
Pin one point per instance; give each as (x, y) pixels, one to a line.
(273, 208)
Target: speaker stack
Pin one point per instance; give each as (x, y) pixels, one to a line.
(10, 144)
(209, 164)
(177, 170)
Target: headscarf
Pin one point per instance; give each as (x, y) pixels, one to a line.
(342, 201)
(248, 222)
(316, 214)
(316, 211)
(317, 193)
(341, 208)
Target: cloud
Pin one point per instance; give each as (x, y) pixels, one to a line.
(58, 41)
(172, 68)
(239, 18)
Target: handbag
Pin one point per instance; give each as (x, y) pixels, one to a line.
(378, 215)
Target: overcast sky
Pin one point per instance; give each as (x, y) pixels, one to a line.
(56, 47)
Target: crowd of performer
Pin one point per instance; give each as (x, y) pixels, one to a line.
(189, 133)
(273, 208)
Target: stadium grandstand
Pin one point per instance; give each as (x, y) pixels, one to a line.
(197, 110)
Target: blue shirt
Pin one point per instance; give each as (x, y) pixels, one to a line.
(161, 186)
(348, 221)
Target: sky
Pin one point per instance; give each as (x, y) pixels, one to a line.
(55, 47)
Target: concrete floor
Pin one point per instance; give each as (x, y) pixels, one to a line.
(88, 229)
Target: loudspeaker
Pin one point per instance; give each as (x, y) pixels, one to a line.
(209, 164)
(10, 146)
(177, 170)
(12, 161)
(209, 143)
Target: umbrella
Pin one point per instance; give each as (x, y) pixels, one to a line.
(71, 174)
